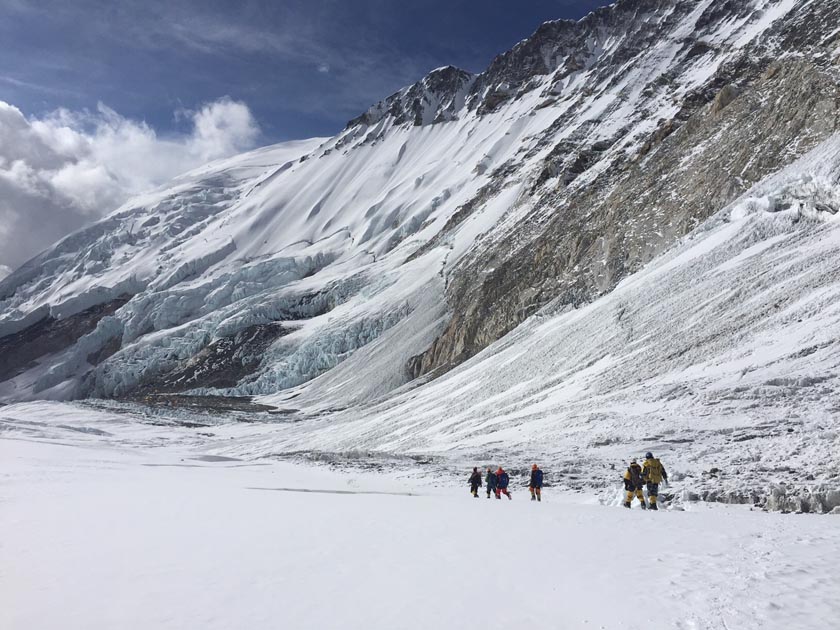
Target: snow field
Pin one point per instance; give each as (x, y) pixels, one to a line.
(110, 529)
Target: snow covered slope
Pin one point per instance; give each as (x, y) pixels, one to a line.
(721, 355)
(447, 213)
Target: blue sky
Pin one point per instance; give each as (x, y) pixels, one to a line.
(303, 67)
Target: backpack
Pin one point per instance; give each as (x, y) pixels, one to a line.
(634, 473)
(653, 470)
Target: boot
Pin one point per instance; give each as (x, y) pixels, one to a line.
(509, 496)
(533, 498)
(627, 504)
(539, 498)
(653, 506)
(644, 507)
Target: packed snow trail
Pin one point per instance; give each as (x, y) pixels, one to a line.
(94, 538)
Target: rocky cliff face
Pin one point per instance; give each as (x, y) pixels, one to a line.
(438, 220)
(436, 98)
(722, 109)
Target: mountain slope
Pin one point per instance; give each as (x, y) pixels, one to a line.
(721, 355)
(439, 219)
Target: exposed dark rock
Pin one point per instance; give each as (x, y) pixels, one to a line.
(202, 404)
(728, 94)
(223, 363)
(665, 129)
(436, 98)
(109, 349)
(698, 48)
(20, 351)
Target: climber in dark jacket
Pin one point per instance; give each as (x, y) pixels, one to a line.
(491, 481)
(633, 484)
(535, 486)
(475, 482)
(502, 481)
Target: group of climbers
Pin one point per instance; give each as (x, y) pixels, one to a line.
(649, 475)
(637, 478)
(499, 481)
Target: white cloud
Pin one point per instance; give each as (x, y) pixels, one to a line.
(223, 128)
(68, 168)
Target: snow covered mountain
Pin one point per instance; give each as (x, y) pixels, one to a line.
(721, 354)
(495, 222)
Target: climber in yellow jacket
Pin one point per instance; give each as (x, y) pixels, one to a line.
(633, 484)
(653, 473)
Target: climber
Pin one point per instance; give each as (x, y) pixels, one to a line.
(633, 484)
(536, 483)
(491, 481)
(475, 482)
(653, 473)
(502, 481)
